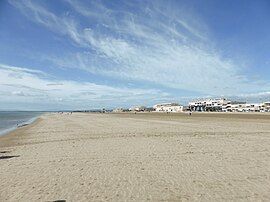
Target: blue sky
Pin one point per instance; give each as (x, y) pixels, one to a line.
(92, 54)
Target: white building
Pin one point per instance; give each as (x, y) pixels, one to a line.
(256, 107)
(168, 107)
(235, 107)
(266, 106)
(245, 107)
(219, 104)
(117, 110)
(225, 105)
(138, 108)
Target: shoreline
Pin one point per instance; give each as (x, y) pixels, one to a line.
(7, 139)
(25, 123)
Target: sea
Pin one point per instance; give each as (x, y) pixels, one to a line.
(10, 120)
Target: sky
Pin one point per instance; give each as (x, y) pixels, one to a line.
(70, 54)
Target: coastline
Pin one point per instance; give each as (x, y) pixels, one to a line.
(10, 138)
(20, 125)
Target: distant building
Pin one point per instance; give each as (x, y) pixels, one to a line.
(210, 104)
(266, 106)
(234, 106)
(186, 108)
(149, 109)
(138, 108)
(168, 107)
(245, 107)
(224, 105)
(219, 104)
(117, 110)
(255, 107)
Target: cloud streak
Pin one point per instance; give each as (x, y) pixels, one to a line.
(154, 42)
(22, 85)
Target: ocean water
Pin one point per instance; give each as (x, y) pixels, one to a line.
(11, 120)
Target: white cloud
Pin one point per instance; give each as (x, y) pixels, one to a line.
(158, 43)
(25, 86)
(253, 97)
(19, 93)
(20, 69)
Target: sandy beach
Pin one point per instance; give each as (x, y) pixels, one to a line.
(138, 157)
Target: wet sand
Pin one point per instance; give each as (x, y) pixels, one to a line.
(138, 157)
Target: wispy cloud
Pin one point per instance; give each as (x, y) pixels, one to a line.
(22, 85)
(153, 42)
(252, 97)
(21, 69)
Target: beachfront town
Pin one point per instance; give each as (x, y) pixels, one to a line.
(203, 105)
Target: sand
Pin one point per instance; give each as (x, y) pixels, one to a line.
(138, 157)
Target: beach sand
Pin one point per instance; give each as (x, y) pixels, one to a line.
(138, 157)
